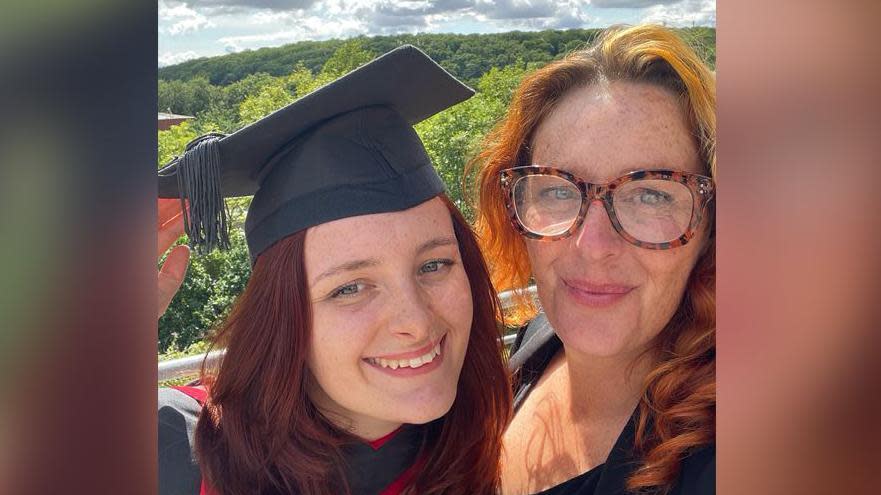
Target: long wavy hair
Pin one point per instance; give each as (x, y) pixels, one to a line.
(678, 407)
(259, 433)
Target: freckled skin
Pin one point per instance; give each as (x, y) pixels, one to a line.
(575, 412)
(398, 308)
(601, 132)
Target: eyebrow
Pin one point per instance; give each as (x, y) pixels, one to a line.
(347, 267)
(436, 242)
(370, 262)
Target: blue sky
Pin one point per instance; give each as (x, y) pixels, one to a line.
(199, 28)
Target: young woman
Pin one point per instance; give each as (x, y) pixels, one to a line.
(363, 356)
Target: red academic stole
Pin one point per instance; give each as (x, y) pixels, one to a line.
(395, 488)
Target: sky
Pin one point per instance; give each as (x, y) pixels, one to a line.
(202, 28)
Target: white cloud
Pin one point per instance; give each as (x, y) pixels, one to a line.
(387, 16)
(628, 4)
(182, 19)
(683, 14)
(267, 17)
(516, 9)
(308, 28)
(534, 14)
(278, 5)
(176, 58)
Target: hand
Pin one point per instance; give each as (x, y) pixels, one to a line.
(171, 275)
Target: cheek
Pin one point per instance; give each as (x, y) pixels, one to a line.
(452, 310)
(668, 272)
(542, 255)
(453, 301)
(336, 343)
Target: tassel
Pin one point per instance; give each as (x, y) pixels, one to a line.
(198, 180)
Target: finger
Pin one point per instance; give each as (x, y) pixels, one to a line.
(168, 233)
(167, 209)
(171, 276)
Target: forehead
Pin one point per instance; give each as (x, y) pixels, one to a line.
(603, 131)
(377, 236)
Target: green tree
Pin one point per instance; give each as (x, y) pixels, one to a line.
(173, 141)
(452, 136)
(187, 97)
(212, 283)
(345, 59)
(268, 100)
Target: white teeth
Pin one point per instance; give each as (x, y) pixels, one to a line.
(416, 362)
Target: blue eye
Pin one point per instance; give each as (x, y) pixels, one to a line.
(558, 192)
(653, 197)
(434, 266)
(347, 290)
(644, 196)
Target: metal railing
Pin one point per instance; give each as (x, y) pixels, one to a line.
(190, 365)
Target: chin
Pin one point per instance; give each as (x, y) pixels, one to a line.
(592, 338)
(429, 409)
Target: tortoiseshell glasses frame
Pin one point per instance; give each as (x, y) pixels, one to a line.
(702, 190)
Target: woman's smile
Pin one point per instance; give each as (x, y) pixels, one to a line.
(597, 295)
(413, 363)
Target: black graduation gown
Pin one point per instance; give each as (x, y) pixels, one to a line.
(535, 346)
(371, 467)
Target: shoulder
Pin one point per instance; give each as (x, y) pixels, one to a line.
(178, 415)
(698, 474)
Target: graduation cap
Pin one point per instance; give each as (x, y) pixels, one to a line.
(346, 149)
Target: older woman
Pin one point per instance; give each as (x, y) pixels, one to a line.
(597, 186)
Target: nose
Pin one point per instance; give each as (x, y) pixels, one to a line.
(411, 313)
(597, 238)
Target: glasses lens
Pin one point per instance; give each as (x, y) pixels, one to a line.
(546, 204)
(653, 210)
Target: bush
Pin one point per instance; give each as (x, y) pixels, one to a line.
(212, 283)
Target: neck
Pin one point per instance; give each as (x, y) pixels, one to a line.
(606, 388)
(362, 426)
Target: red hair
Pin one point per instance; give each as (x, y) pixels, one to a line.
(260, 432)
(677, 411)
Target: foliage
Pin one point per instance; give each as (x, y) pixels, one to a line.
(213, 89)
(187, 97)
(465, 56)
(173, 141)
(269, 99)
(212, 283)
(451, 137)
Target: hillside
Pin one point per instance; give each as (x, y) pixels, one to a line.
(465, 56)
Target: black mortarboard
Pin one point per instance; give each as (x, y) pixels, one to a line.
(346, 149)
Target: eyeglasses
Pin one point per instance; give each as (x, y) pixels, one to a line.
(652, 209)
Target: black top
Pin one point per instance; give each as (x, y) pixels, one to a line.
(178, 471)
(536, 344)
(369, 469)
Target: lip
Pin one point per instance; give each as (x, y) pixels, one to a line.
(410, 354)
(596, 294)
(407, 372)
